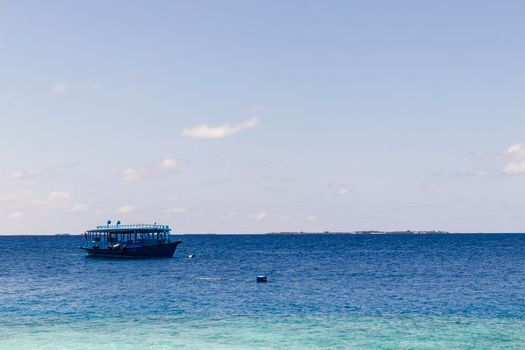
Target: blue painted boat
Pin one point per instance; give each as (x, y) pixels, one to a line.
(130, 241)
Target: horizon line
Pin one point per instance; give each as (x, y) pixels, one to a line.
(385, 233)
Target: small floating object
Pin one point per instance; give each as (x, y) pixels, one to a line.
(191, 256)
(262, 279)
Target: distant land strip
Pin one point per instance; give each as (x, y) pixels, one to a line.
(360, 233)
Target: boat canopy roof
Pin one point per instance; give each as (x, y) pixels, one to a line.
(144, 228)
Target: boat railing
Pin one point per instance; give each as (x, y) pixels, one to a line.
(153, 226)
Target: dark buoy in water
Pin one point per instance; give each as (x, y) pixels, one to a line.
(262, 279)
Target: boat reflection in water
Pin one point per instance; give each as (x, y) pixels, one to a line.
(135, 241)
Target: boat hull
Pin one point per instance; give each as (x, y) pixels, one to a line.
(165, 250)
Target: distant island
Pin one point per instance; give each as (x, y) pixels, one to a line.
(360, 233)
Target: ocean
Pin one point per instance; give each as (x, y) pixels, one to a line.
(447, 291)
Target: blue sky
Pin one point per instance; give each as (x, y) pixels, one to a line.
(258, 116)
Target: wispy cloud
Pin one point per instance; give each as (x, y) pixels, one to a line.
(473, 173)
(176, 210)
(130, 174)
(517, 149)
(134, 173)
(80, 208)
(60, 88)
(517, 165)
(311, 218)
(20, 197)
(206, 131)
(169, 163)
(18, 176)
(15, 215)
(9, 176)
(54, 197)
(343, 192)
(126, 209)
(258, 216)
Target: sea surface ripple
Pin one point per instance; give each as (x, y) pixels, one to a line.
(325, 291)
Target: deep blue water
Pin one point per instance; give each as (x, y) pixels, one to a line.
(48, 280)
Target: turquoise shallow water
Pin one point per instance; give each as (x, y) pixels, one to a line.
(242, 332)
(341, 292)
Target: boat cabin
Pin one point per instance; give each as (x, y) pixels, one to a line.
(130, 236)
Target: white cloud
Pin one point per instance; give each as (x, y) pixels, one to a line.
(258, 216)
(40, 201)
(343, 192)
(80, 208)
(12, 176)
(30, 176)
(205, 131)
(54, 197)
(21, 196)
(176, 210)
(169, 163)
(126, 209)
(58, 195)
(130, 174)
(517, 166)
(311, 218)
(61, 88)
(16, 215)
(517, 149)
